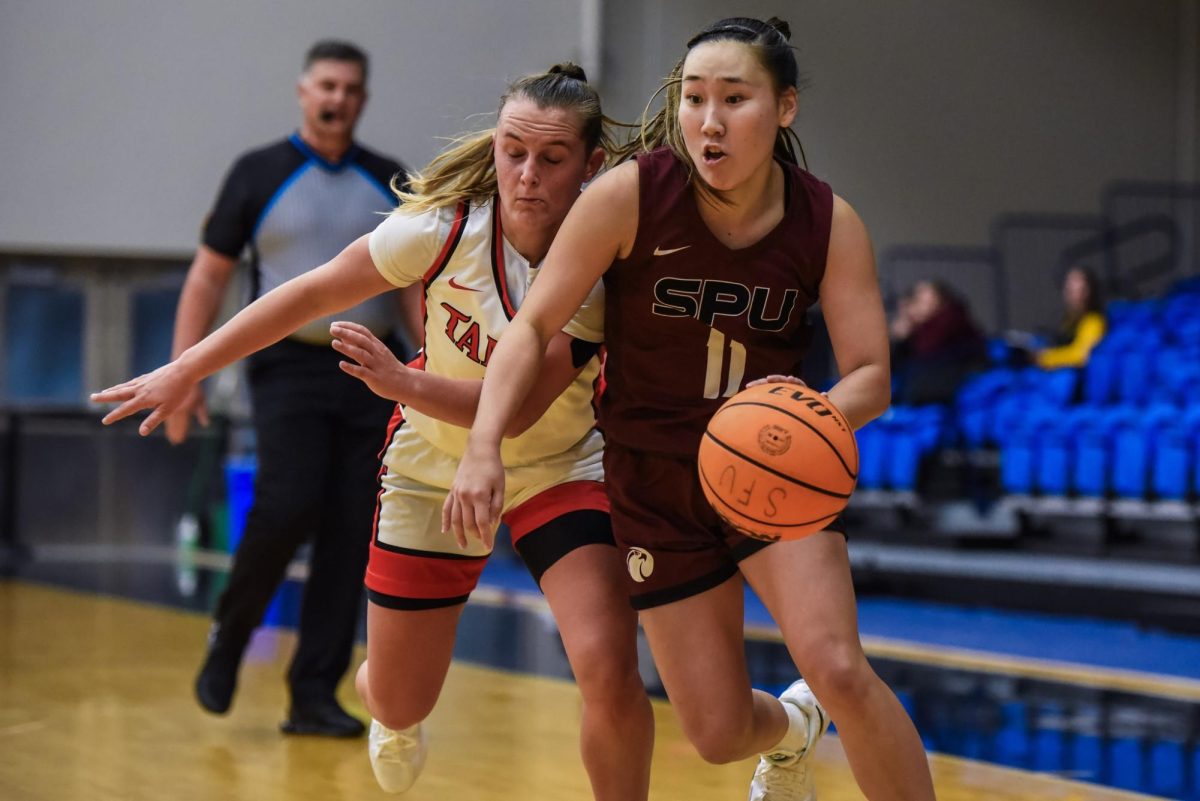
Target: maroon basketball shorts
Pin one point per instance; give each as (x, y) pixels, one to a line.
(674, 544)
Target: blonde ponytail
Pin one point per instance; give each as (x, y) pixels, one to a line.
(465, 170)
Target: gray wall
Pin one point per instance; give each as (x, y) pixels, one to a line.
(120, 116)
(930, 116)
(933, 116)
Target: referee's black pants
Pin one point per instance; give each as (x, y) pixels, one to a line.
(319, 436)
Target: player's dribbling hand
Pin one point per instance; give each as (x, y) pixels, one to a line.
(776, 379)
(163, 391)
(374, 364)
(476, 498)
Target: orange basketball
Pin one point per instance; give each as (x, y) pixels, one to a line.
(778, 462)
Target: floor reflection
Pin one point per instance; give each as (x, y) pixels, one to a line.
(1130, 741)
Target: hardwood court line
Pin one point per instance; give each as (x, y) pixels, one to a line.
(1099, 678)
(1052, 782)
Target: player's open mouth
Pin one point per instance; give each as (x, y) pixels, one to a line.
(712, 154)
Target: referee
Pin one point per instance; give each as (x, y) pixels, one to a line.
(293, 205)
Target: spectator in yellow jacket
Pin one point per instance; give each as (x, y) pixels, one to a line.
(1083, 325)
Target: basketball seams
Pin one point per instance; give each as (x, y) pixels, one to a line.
(849, 473)
(777, 473)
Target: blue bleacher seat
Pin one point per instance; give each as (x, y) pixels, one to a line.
(1167, 769)
(1133, 447)
(1100, 375)
(1126, 763)
(1134, 373)
(905, 457)
(872, 446)
(1171, 463)
(1130, 464)
(1092, 469)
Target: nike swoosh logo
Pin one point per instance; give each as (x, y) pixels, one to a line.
(667, 252)
(455, 285)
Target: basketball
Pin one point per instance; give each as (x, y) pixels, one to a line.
(778, 462)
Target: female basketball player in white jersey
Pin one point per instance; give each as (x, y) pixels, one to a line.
(473, 229)
(711, 247)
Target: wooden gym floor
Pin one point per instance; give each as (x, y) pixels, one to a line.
(95, 703)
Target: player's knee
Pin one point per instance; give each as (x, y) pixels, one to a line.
(838, 672)
(606, 676)
(399, 710)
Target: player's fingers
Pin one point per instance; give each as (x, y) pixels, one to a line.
(151, 422)
(356, 370)
(117, 394)
(201, 411)
(121, 412)
(482, 512)
(496, 507)
(456, 523)
(177, 426)
(355, 334)
(784, 379)
(363, 338)
(348, 349)
(348, 325)
(468, 523)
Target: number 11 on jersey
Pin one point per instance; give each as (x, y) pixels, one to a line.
(716, 359)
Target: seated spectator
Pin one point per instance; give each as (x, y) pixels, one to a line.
(936, 345)
(1083, 325)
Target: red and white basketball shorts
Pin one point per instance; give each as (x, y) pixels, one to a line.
(414, 565)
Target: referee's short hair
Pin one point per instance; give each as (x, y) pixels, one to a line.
(336, 50)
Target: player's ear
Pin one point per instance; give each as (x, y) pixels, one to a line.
(789, 104)
(594, 163)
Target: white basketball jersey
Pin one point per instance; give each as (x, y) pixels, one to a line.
(474, 282)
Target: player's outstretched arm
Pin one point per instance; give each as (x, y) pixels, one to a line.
(453, 400)
(347, 279)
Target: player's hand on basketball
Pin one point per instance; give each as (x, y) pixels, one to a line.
(374, 364)
(179, 423)
(163, 392)
(473, 506)
(777, 379)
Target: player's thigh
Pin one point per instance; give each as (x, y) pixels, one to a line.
(586, 592)
(698, 649)
(807, 587)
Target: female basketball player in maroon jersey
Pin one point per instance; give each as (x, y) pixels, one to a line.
(474, 227)
(711, 246)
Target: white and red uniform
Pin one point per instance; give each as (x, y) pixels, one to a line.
(474, 281)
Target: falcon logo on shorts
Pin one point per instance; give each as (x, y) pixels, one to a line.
(640, 564)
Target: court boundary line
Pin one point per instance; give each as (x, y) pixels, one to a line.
(945, 656)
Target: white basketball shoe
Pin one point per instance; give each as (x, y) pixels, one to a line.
(396, 756)
(783, 774)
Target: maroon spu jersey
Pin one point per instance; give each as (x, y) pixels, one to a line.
(688, 321)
